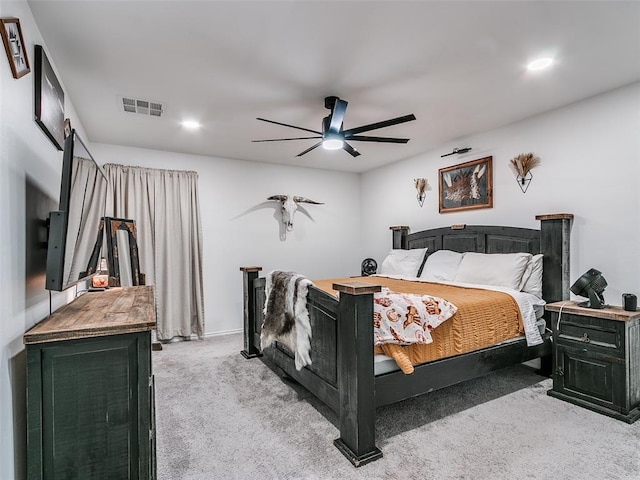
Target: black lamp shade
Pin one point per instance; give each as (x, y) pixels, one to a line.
(591, 285)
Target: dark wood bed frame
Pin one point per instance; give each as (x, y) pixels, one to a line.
(342, 372)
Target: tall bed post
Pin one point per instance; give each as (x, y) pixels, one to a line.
(555, 241)
(399, 236)
(356, 380)
(249, 274)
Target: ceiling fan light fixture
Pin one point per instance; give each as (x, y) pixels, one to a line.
(332, 143)
(333, 137)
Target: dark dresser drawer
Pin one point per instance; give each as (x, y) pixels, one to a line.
(575, 330)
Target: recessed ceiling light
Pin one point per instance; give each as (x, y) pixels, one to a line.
(191, 124)
(540, 64)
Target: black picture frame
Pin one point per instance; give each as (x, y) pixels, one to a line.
(49, 99)
(11, 32)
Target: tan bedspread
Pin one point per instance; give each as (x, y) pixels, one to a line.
(484, 318)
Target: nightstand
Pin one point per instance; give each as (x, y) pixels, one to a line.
(596, 356)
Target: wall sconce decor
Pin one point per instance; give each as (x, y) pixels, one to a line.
(422, 185)
(522, 165)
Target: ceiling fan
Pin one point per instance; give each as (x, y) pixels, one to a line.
(333, 137)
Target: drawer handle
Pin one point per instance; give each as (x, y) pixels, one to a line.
(559, 371)
(585, 338)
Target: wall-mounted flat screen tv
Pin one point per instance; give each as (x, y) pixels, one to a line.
(74, 227)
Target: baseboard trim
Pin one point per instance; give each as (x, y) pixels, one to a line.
(218, 334)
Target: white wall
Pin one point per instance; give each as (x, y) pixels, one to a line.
(590, 167)
(25, 152)
(240, 227)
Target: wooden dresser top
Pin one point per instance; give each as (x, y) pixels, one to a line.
(609, 312)
(95, 314)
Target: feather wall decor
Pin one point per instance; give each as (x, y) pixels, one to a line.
(422, 185)
(522, 165)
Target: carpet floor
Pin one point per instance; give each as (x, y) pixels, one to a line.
(220, 416)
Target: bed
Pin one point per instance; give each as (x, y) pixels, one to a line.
(342, 348)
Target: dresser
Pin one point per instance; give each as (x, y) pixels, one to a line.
(90, 391)
(596, 355)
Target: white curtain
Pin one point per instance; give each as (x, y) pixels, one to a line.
(165, 206)
(87, 195)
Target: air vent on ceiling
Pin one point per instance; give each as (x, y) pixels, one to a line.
(143, 107)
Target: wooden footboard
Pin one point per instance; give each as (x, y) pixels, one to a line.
(342, 372)
(321, 377)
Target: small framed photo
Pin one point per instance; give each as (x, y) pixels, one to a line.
(67, 127)
(49, 99)
(14, 46)
(466, 186)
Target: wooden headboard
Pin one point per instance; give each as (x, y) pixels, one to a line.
(552, 240)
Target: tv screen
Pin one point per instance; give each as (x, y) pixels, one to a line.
(74, 227)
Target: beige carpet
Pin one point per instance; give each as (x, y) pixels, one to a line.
(220, 416)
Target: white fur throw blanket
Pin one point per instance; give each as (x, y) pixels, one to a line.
(286, 318)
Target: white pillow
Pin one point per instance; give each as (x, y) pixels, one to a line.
(403, 262)
(441, 266)
(498, 269)
(532, 277)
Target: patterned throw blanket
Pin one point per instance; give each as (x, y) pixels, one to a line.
(286, 318)
(404, 319)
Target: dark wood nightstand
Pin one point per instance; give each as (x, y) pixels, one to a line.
(596, 356)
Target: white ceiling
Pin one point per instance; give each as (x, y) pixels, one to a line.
(457, 65)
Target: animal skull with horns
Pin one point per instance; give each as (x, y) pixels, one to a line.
(289, 207)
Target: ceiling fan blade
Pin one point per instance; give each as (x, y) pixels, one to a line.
(283, 139)
(377, 139)
(290, 126)
(337, 115)
(309, 149)
(374, 126)
(352, 151)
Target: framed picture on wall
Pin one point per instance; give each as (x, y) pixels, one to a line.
(14, 46)
(466, 186)
(49, 99)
